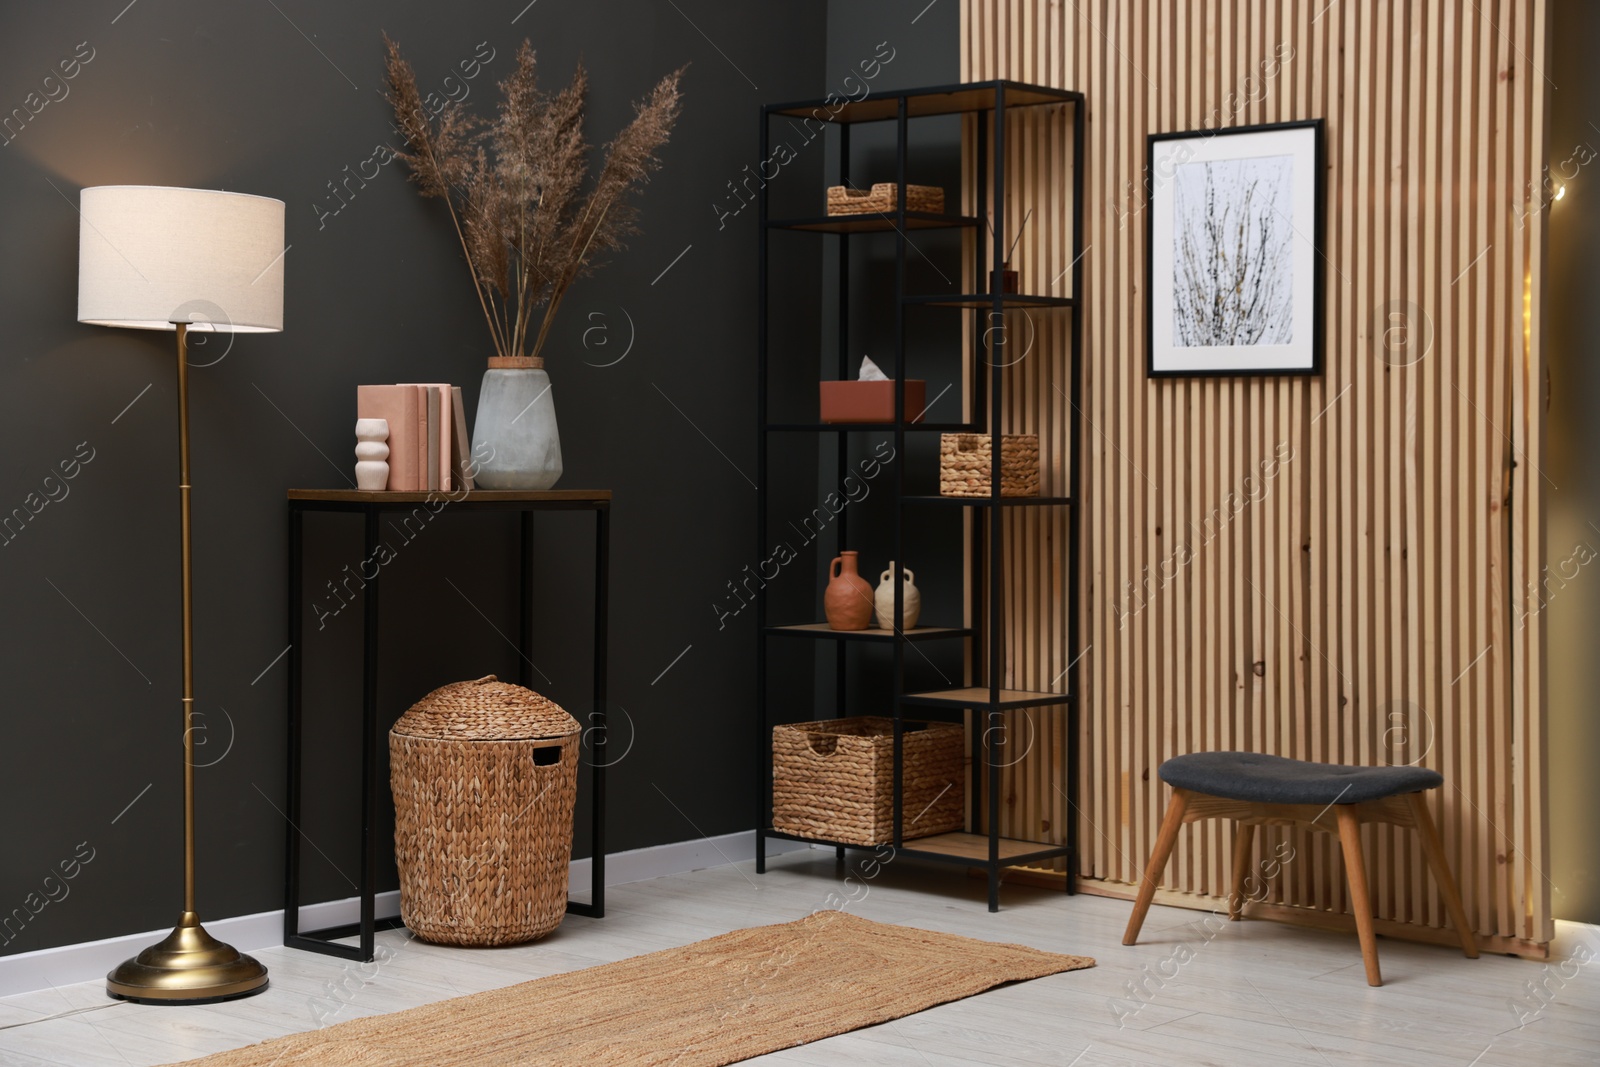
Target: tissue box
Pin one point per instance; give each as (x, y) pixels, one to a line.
(870, 401)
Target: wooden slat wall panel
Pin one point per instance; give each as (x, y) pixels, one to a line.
(1369, 604)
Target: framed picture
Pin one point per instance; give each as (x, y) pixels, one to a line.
(1233, 267)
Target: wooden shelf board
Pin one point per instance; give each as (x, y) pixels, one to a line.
(846, 427)
(872, 633)
(946, 100)
(874, 222)
(985, 501)
(978, 696)
(951, 847)
(986, 300)
(511, 496)
(975, 847)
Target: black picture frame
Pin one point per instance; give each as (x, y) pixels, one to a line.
(1298, 358)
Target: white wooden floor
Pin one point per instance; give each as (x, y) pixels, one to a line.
(1255, 993)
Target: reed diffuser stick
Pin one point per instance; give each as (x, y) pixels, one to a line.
(1013, 247)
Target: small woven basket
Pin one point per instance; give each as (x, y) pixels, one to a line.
(484, 776)
(834, 780)
(880, 199)
(965, 464)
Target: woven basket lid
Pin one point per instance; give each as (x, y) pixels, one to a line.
(485, 710)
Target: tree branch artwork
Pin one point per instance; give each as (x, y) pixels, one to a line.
(1232, 262)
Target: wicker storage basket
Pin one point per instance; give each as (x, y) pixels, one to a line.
(834, 780)
(965, 464)
(484, 775)
(843, 200)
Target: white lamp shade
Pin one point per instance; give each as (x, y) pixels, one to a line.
(150, 256)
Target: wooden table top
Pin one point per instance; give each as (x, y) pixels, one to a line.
(474, 496)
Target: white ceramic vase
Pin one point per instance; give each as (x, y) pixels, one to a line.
(910, 602)
(372, 453)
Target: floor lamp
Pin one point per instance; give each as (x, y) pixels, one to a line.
(154, 258)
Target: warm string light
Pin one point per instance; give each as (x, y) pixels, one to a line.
(1527, 315)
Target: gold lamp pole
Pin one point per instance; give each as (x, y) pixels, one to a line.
(157, 258)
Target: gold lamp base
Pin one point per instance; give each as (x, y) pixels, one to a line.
(188, 966)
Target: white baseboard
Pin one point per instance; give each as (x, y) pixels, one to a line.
(680, 857)
(87, 961)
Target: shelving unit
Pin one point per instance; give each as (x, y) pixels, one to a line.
(984, 698)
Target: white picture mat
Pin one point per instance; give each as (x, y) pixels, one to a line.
(1165, 157)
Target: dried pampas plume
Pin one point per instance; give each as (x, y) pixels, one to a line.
(514, 187)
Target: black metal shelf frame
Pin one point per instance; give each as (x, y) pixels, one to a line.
(989, 102)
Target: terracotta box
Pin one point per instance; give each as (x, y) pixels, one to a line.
(870, 401)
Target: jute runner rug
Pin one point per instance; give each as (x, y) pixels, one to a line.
(703, 1005)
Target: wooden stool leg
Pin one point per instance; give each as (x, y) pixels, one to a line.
(1158, 863)
(1355, 871)
(1243, 840)
(1441, 872)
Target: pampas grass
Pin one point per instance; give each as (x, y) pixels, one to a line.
(515, 187)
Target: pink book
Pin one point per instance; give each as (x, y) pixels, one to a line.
(397, 405)
(442, 462)
(424, 479)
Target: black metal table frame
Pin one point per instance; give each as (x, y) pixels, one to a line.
(372, 507)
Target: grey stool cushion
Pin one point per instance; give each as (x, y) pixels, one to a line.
(1265, 779)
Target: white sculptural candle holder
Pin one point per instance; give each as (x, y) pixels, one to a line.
(372, 453)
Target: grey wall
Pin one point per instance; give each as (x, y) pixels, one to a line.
(1571, 585)
(241, 97)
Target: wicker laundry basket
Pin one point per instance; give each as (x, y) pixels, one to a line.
(484, 776)
(834, 780)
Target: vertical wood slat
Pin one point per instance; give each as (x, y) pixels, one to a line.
(1381, 585)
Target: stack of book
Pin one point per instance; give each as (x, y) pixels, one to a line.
(429, 447)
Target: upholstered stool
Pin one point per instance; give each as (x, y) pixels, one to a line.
(1254, 789)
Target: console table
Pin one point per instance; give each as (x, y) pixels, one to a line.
(372, 506)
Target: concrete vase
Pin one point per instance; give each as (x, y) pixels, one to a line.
(515, 442)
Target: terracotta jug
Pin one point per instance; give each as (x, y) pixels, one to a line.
(848, 599)
(910, 599)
